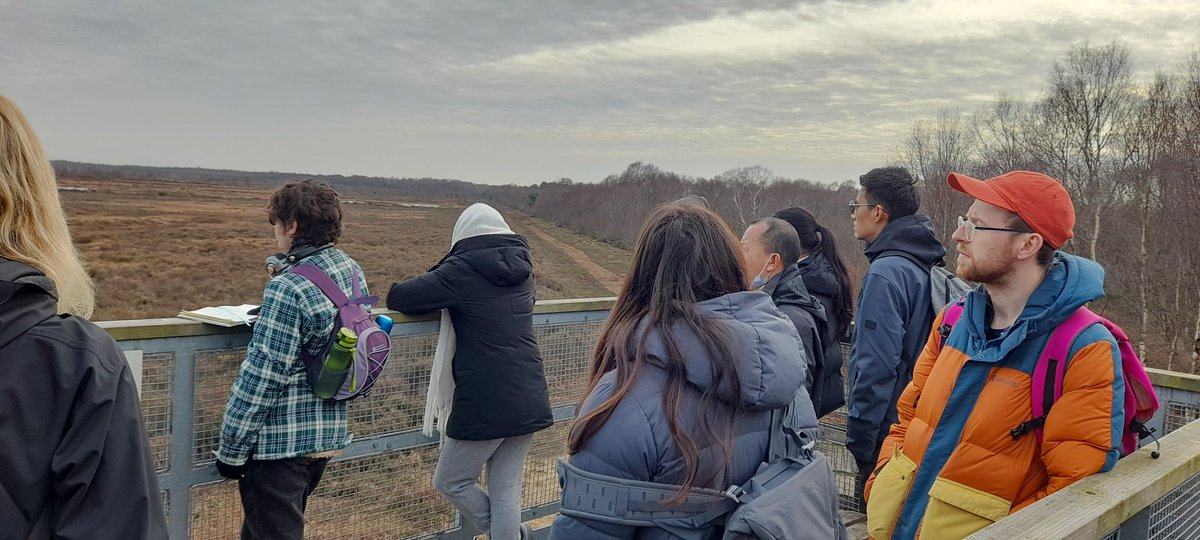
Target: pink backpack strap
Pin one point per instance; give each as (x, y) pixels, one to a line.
(953, 313)
(1051, 368)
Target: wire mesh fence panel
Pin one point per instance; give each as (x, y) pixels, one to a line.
(566, 350)
(397, 401)
(216, 512)
(158, 374)
(166, 505)
(541, 473)
(1179, 415)
(1176, 516)
(832, 443)
(383, 496)
(215, 371)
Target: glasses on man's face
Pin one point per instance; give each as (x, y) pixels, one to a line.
(855, 205)
(964, 223)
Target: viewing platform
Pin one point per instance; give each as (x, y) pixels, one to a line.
(380, 487)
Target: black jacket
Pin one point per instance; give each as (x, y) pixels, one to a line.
(789, 294)
(822, 283)
(74, 459)
(487, 284)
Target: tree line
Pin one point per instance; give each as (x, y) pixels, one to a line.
(1126, 148)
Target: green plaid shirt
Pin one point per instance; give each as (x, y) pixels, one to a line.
(272, 411)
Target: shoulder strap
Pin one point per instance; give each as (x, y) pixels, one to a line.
(637, 503)
(322, 280)
(1050, 369)
(953, 314)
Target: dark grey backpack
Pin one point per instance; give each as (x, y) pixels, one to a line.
(793, 496)
(944, 286)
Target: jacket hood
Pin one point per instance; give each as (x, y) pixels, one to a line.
(818, 275)
(765, 346)
(502, 259)
(788, 287)
(1070, 283)
(911, 234)
(27, 298)
(477, 220)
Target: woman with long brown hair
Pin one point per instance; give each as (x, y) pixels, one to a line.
(687, 370)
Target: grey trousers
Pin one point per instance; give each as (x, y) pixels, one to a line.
(498, 510)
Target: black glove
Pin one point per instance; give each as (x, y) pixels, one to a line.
(232, 472)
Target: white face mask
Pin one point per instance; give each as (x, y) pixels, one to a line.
(759, 281)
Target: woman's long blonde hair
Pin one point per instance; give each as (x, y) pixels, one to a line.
(33, 227)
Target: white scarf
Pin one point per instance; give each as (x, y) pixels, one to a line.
(477, 220)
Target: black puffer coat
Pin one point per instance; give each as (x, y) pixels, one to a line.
(487, 284)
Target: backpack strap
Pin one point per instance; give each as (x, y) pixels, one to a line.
(332, 291)
(1050, 369)
(953, 314)
(621, 501)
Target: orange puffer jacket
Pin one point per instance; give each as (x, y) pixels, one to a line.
(951, 466)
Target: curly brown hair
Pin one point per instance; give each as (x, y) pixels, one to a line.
(313, 206)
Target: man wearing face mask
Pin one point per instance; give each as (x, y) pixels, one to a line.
(772, 248)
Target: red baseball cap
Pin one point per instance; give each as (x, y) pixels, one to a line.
(1041, 201)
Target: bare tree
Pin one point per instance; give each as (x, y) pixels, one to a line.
(1146, 142)
(934, 148)
(1086, 105)
(1000, 132)
(747, 187)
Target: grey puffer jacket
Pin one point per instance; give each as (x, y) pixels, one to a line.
(635, 443)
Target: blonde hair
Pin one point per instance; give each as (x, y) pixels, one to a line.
(33, 227)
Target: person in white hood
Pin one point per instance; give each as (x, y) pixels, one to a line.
(487, 391)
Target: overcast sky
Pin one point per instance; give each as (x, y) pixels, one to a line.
(524, 91)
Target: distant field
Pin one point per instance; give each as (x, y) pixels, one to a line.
(157, 247)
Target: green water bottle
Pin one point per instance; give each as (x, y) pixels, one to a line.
(337, 364)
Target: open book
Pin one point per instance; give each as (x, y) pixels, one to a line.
(222, 315)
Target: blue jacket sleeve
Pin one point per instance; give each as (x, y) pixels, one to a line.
(875, 354)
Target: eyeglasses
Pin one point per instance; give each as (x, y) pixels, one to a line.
(855, 205)
(971, 228)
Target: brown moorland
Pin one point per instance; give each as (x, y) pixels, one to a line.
(155, 248)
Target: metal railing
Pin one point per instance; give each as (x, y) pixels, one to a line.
(380, 487)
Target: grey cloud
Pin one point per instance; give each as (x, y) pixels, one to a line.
(516, 91)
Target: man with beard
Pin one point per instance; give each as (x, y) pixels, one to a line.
(967, 450)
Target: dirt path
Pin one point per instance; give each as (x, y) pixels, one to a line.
(609, 280)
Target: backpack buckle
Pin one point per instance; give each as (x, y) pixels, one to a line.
(734, 493)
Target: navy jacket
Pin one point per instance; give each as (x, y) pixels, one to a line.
(635, 443)
(487, 284)
(74, 458)
(892, 323)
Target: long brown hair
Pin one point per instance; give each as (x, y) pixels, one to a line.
(685, 254)
(33, 227)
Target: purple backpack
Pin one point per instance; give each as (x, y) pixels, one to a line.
(371, 352)
(1141, 402)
